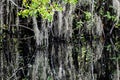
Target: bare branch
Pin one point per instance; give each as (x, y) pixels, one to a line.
(24, 27)
(16, 4)
(15, 73)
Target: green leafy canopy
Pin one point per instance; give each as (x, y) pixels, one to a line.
(45, 8)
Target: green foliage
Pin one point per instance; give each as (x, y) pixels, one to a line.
(82, 37)
(79, 24)
(71, 1)
(109, 16)
(116, 58)
(84, 50)
(88, 15)
(109, 48)
(118, 24)
(117, 45)
(45, 8)
(49, 78)
(25, 79)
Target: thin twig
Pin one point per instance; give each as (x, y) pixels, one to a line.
(16, 4)
(113, 44)
(27, 37)
(23, 27)
(112, 29)
(15, 73)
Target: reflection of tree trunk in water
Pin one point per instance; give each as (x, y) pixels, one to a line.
(61, 61)
(33, 49)
(1, 52)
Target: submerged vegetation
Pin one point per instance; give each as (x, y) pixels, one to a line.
(59, 40)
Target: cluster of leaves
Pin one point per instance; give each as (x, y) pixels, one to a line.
(45, 8)
(109, 16)
(70, 1)
(88, 15)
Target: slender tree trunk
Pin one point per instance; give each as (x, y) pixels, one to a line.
(1, 32)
